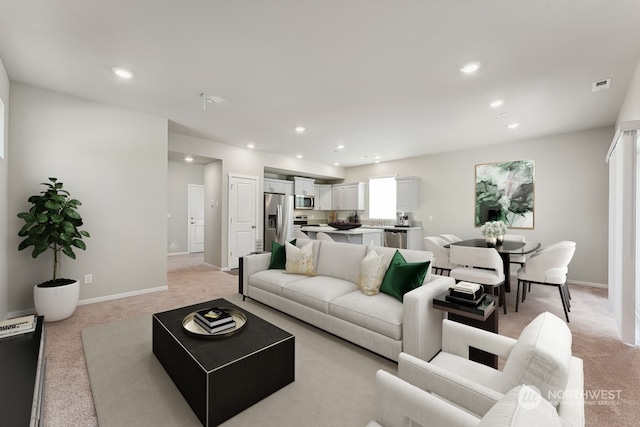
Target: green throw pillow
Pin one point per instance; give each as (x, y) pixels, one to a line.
(278, 255)
(403, 276)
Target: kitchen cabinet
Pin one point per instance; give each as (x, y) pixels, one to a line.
(303, 186)
(348, 197)
(322, 193)
(278, 186)
(407, 194)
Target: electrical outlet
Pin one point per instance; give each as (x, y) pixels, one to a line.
(88, 279)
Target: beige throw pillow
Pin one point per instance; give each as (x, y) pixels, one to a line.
(299, 260)
(372, 270)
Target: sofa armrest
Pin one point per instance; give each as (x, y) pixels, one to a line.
(398, 403)
(253, 263)
(457, 338)
(465, 393)
(422, 324)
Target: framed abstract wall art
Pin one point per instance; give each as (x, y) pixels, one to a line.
(504, 192)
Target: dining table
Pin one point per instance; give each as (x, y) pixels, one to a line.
(505, 249)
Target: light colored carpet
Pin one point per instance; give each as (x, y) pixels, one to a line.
(334, 382)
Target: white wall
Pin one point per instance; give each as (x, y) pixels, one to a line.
(4, 178)
(115, 162)
(213, 197)
(180, 175)
(630, 109)
(571, 192)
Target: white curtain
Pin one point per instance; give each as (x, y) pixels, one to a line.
(624, 229)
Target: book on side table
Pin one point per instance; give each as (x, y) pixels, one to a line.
(17, 326)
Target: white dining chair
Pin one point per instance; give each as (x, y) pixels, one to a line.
(323, 236)
(299, 234)
(548, 268)
(441, 263)
(483, 266)
(451, 238)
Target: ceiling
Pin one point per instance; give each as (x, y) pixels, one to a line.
(377, 76)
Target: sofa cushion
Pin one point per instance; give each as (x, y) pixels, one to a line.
(408, 254)
(278, 255)
(300, 260)
(317, 292)
(273, 280)
(402, 277)
(541, 357)
(522, 406)
(340, 260)
(372, 270)
(380, 313)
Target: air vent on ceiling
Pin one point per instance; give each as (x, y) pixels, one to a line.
(600, 85)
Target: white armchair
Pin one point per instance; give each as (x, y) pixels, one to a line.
(401, 404)
(441, 263)
(540, 357)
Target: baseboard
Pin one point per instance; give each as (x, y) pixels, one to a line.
(177, 253)
(122, 295)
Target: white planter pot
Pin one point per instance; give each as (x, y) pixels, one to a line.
(56, 303)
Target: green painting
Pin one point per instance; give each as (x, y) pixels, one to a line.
(504, 192)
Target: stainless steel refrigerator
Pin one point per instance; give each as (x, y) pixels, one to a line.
(278, 219)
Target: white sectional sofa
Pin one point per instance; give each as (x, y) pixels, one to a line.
(331, 300)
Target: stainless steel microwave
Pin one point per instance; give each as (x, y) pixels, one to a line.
(304, 202)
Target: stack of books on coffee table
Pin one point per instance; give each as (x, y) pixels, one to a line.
(214, 320)
(466, 293)
(17, 326)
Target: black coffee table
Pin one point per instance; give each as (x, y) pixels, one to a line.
(221, 377)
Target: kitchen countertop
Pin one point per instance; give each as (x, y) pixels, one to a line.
(360, 230)
(327, 229)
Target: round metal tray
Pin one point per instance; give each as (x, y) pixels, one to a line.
(193, 329)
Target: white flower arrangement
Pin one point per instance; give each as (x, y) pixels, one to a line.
(493, 229)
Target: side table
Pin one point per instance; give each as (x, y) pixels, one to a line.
(484, 316)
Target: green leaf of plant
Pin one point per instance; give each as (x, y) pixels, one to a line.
(24, 244)
(85, 233)
(42, 218)
(70, 213)
(55, 218)
(24, 215)
(64, 237)
(79, 244)
(51, 205)
(69, 252)
(38, 249)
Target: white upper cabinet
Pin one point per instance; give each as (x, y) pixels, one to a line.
(303, 186)
(278, 186)
(348, 197)
(407, 194)
(322, 194)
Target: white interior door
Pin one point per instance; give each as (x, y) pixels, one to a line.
(196, 218)
(243, 206)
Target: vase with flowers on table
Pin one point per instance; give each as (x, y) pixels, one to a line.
(493, 232)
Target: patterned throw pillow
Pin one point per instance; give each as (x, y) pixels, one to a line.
(372, 269)
(300, 260)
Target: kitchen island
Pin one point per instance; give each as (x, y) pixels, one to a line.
(357, 236)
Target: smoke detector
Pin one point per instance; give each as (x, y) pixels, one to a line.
(600, 85)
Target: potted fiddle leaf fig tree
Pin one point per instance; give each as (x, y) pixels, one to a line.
(53, 223)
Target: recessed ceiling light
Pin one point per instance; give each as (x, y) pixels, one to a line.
(121, 72)
(298, 156)
(336, 164)
(496, 103)
(471, 67)
(300, 129)
(504, 114)
(251, 145)
(377, 161)
(340, 146)
(513, 125)
(376, 157)
(188, 159)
